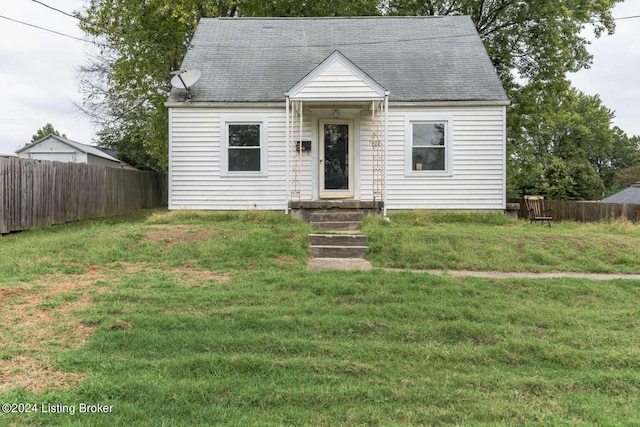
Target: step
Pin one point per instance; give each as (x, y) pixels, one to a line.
(335, 216)
(323, 251)
(338, 239)
(336, 225)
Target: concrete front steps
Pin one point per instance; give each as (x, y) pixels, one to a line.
(346, 243)
(336, 220)
(338, 245)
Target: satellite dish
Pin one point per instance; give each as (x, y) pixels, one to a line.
(185, 79)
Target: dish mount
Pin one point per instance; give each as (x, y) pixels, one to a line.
(185, 79)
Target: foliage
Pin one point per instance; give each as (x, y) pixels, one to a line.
(533, 41)
(562, 144)
(190, 318)
(533, 46)
(626, 176)
(288, 8)
(46, 130)
(624, 168)
(126, 83)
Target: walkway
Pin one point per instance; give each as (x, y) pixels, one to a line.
(363, 264)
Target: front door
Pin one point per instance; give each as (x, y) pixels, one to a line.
(336, 158)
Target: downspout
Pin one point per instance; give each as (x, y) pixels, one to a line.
(286, 152)
(386, 131)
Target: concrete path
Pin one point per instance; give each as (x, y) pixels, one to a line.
(507, 275)
(363, 264)
(339, 264)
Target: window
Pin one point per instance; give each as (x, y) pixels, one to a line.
(428, 148)
(243, 147)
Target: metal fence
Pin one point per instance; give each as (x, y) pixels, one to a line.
(40, 193)
(580, 211)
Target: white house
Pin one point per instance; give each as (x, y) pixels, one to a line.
(57, 148)
(393, 112)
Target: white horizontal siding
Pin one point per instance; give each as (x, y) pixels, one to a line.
(476, 181)
(477, 177)
(196, 181)
(336, 81)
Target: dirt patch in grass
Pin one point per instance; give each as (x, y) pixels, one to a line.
(171, 234)
(287, 259)
(193, 277)
(37, 320)
(40, 317)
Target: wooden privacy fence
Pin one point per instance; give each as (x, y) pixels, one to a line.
(568, 210)
(40, 193)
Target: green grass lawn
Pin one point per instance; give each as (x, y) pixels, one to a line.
(185, 319)
(495, 242)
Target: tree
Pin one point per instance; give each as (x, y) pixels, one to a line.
(534, 40)
(625, 164)
(562, 144)
(44, 131)
(552, 146)
(533, 45)
(127, 82)
(288, 8)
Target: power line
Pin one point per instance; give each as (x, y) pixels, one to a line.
(57, 10)
(626, 17)
(44, 29)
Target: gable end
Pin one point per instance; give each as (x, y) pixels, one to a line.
(336, 78)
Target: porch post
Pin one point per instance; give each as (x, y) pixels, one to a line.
(386, 131)
(287, 154)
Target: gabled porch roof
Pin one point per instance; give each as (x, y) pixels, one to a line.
(337, 79)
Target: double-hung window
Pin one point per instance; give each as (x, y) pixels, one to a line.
(243, 147)
(428, 147)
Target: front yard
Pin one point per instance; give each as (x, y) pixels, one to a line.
(183, 319)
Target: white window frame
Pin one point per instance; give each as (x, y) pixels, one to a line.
(410, 120)
(224, 145)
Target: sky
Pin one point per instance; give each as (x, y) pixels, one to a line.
(38, 70)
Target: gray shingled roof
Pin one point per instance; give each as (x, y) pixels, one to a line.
(415, 58)
(629, 195)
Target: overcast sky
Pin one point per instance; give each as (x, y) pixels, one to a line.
(38, 71)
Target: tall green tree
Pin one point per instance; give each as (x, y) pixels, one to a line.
(563, 144)
(552, 146)
(46, 130)
(534, 40)
(533, 45)
(126, 83)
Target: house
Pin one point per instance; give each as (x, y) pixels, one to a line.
(629, 195)
(392, 112)
(59, 149)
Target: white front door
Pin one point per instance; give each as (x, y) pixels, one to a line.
(336, 158)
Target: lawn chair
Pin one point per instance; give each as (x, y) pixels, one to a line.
(536, 209)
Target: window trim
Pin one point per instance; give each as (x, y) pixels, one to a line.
(225, 121)
(410, 120)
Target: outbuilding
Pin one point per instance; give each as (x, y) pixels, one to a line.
(56, 148)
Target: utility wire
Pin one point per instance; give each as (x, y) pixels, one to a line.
(44, 29)
(57, 10)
